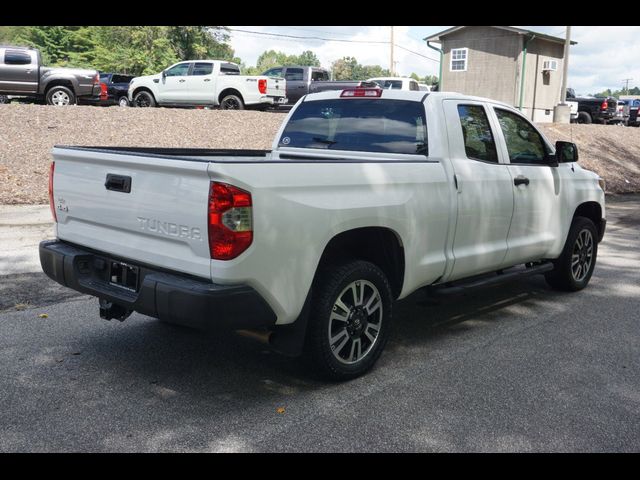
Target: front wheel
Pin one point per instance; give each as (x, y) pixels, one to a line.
(350, 319)
(573, 269)
(144, 99)
(231, 102)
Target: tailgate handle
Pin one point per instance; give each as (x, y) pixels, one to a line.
(118, 183)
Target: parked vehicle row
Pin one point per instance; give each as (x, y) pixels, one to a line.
(367, 195)
(594, 109)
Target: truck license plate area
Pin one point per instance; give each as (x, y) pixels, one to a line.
(123, 275)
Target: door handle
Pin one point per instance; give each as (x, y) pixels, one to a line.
(301, 86)
(181, 80)
(520, 180)
(207, 79)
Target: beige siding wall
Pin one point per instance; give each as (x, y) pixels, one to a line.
(491, 65)
(542, 91)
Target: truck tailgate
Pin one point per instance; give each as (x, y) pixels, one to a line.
(161, 221)
(276, 86)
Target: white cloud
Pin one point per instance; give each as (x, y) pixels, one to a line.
(249, 46)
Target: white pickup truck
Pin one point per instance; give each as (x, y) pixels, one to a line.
(214, 83)
(366, 196)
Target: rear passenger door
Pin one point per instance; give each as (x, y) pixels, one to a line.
(536, 186)
(18, 71)
(484, 189)
(200, 84)
(296, 84)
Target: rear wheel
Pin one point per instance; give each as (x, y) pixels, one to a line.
(144, 99)
(574, 267)
(123, 102)
(350, 319)
(60, 96)
(584, 117)
(231, 102)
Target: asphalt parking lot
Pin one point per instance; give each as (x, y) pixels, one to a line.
(512, 368)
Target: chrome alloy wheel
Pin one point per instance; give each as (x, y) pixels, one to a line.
(582, 255)
(355, 321)
(60, 98)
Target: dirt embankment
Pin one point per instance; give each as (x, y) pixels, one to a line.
(28, 132)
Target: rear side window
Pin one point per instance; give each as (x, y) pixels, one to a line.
(294, 74)
(524, 143)
(414, 86)
(200, 68)
(390, 84)
(319, 75)
(365, 125)
(479, 143)
(16, 57)
(229, 69)
(121, 78)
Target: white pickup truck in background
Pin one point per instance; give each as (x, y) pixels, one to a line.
(213, 83)
(366, 196)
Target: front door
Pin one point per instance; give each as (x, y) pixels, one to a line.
(484, 190)
(19, 71)
(171, 88)
(536, 185)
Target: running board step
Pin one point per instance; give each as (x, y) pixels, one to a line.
(497, 278)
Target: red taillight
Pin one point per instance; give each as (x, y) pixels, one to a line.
(604, 105)
(51, 204)
(262, 85)
(104, 93)
(230, 221)
(361, 92)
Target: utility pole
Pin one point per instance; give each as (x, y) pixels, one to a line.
(562, 111)
(626, 88)
(392, 65)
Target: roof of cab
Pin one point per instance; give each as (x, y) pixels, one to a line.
(411, 95)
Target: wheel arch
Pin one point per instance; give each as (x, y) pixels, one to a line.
(593, 211)
(145, 89)
(229, 91)
(381, 246)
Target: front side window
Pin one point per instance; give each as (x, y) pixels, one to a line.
(294, 74)
(479, 143)
(366, 125)
(15, 57)
(524, 143)
(179, 70)
(459, 59)
(202, 68)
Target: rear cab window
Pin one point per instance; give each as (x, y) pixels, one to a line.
(479, 143)
(364, 125)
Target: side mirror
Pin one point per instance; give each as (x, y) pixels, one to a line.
(164, 74)
(566, 152)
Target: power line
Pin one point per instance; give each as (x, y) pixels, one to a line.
(306, 38)
(416, 53)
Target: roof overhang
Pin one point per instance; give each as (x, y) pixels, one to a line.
(437, 37)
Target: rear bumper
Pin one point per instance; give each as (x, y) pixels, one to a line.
(169, 296)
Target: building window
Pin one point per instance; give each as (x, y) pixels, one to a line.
(459, 59)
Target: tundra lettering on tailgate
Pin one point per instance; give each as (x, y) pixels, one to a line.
(169, 229)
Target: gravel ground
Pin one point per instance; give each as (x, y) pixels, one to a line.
(28, 132)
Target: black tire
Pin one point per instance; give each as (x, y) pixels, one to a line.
(366, 331)
(563, 276)
(584, 117)
(60, 96)
(231, 102)
(4, 99)
(144, 99)
(123, 102)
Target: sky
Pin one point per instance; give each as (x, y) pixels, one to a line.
(603, 57)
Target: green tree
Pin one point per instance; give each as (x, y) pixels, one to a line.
(307, 58)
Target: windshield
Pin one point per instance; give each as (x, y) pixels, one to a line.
(368, 125)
